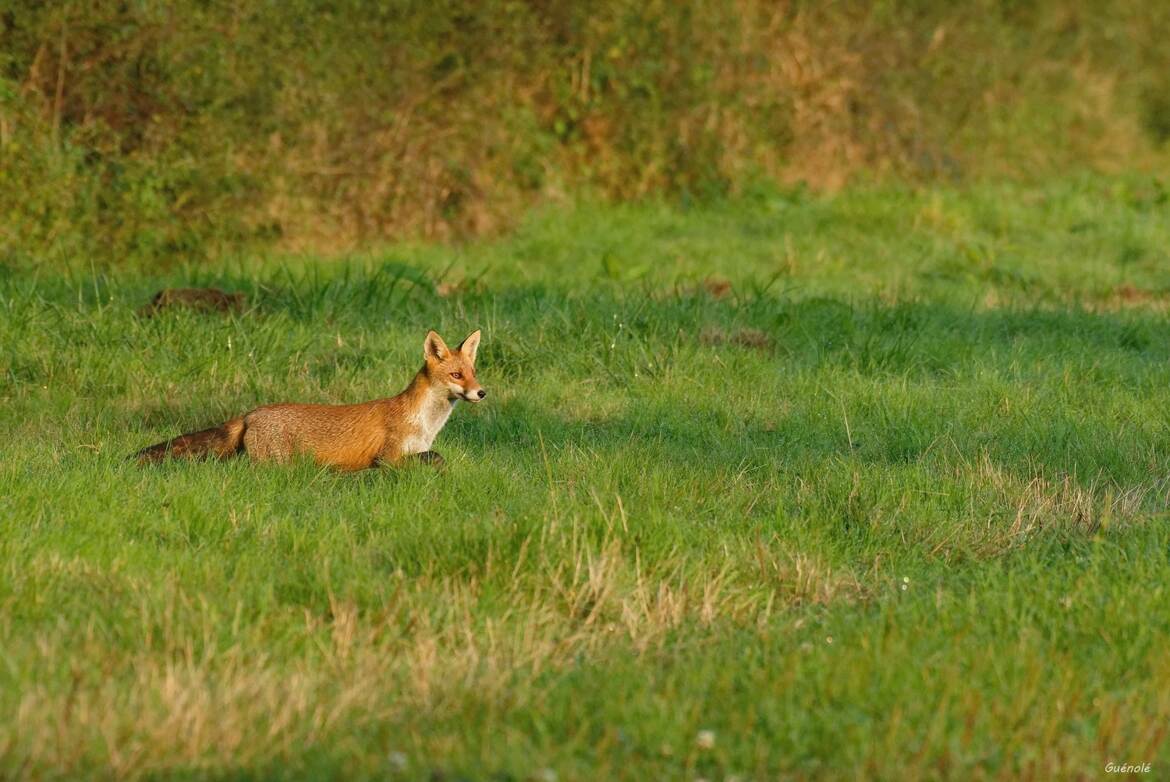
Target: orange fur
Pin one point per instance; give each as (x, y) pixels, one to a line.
(349, 437)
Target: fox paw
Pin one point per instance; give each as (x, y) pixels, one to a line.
(433, 458)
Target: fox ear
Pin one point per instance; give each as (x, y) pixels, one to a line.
(434, 347)
(468, 346)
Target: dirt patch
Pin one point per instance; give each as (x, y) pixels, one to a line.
(458, 287)
(718, 287)
(744, 338)
(196, 299)
(1130, 296)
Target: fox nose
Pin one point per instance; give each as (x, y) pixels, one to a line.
(481, 393)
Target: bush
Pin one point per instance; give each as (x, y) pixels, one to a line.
(152, 131)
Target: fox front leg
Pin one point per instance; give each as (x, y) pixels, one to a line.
(433, 458)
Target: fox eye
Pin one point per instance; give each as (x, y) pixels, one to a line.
(456, 375)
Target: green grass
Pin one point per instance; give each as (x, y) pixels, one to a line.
(893, 506)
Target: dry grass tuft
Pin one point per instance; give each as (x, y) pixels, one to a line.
(1063, 505)
(201, 702)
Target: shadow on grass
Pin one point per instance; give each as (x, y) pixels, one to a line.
(866, 382)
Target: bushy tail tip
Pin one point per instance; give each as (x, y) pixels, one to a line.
(218, 441)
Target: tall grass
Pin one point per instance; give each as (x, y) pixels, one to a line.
(166, 132)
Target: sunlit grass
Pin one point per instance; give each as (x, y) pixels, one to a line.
(913, 527)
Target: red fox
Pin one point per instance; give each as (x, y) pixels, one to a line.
(350, 437)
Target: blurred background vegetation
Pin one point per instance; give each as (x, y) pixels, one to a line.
(150, 132)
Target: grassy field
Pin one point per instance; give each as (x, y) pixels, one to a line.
(862, 486)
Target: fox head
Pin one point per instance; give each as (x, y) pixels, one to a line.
(454, 369)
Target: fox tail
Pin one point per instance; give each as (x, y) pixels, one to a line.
(219, 441)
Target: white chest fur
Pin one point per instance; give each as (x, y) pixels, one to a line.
(426, 425)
